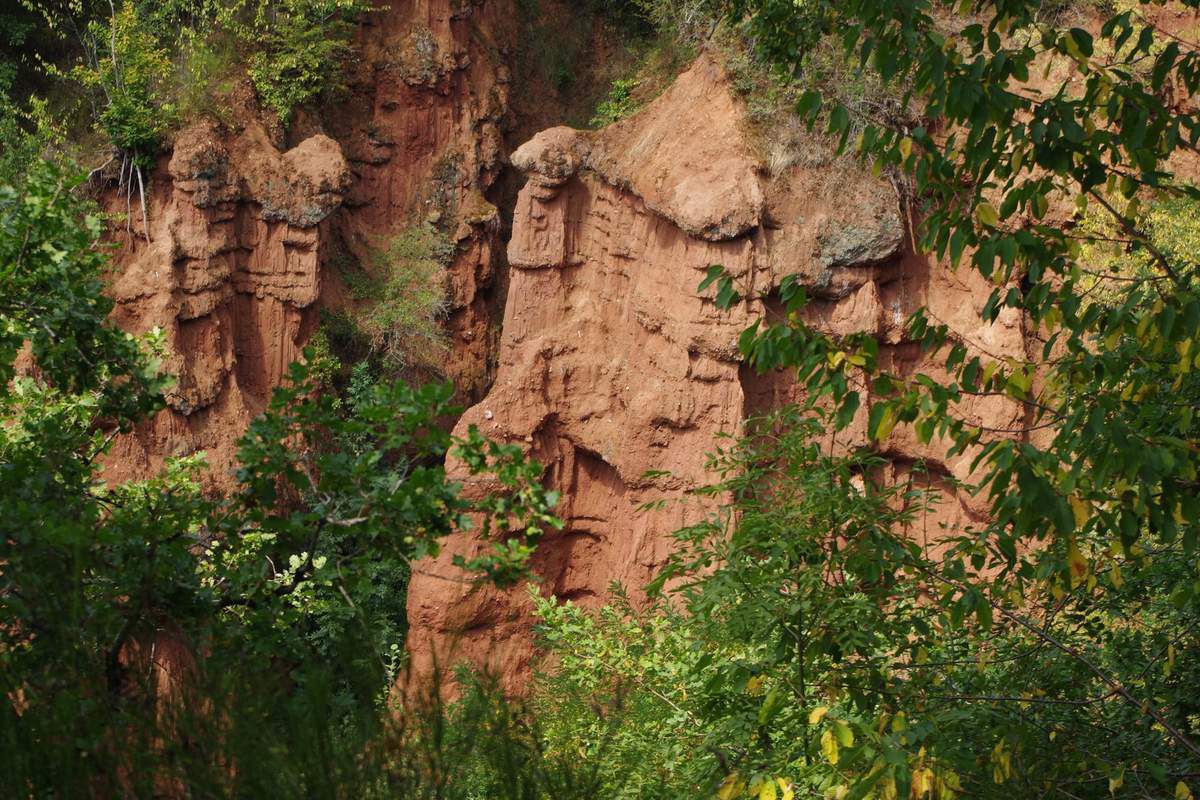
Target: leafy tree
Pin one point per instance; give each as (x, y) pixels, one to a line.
(808, 647)
(151, 634)
(301, 47)
(128, 67)
(993, 153)
(1064, 193)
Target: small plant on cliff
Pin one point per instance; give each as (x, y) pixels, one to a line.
(125, 70)
(406, 295)
(617, 104)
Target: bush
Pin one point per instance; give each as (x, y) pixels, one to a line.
(126, 65)
(304, 46)
(617, 105)
(818, 654)
(405, 291)
(205, 71)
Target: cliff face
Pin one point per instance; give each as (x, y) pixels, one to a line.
(246, 228)
(607, 365)
(613, 368)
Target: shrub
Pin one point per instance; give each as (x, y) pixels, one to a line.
(688, 20)
(204, 73)
(617, 105)
(126, 65)
(304, 48)
(405, 286)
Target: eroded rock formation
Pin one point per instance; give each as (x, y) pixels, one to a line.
(609, 365)
(614, 369)
(230, 271)
(246, 230)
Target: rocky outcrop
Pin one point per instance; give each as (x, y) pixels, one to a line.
(618, 374)
(229, 270)
(423, 138)
(249, 230)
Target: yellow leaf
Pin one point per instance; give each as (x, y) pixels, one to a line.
(898, 722)
(1001, 763)
(817, 714)
(1081, 509)
(947, 785)
(906, 146)
(785, 786)
(989, 371)
(1143, 326)
(1116, 782)
(845, 736)
(766, 790)
(1182, 792)
(829, 747)
(730, 788)
(922, 781)
(1077, 563)
(986, 214)
(887, 421)
(754, 685)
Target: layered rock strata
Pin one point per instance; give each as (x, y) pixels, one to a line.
(229, 270)
(618, 374)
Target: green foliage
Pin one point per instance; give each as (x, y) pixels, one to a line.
(29, 134)
(146, 66)
(1095, 496)
(17, 26)
(205, 71)
(302, 47)
(154, 634)
(686, 20)
(128, 68)
(51, 267)
(823, 652)
(618, 104)
(1014, 153)
(405, 294)
(1172, 226)
(617, 697)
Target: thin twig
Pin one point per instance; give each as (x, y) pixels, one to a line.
(142, 193)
